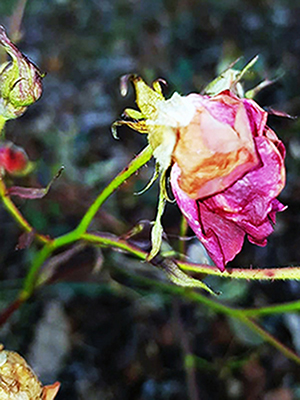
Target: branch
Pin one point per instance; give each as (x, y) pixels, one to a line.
(269, 274)
(140, 160)
(17, 215)
(197, 297)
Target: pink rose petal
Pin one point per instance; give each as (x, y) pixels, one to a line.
(212, 230)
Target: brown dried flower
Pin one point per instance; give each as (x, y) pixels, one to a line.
(19, 382)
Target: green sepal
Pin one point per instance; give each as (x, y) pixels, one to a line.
(178, 277)
(150, 183)
(229, 80)
(250, 94)
(163, 186)
(157, 230)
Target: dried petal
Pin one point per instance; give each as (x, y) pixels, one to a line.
(18, 381)
(33, 193)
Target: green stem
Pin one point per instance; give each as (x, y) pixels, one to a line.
(134, 165)
(217, 307)
(270, 339)
(79, 232)
(275, 309)
(113, 242)
(269, 274)
(116, 243)
(30, 280)
(182, 232)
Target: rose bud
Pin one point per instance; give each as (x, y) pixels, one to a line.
(18, 381)
(13, 159)
(20, 81)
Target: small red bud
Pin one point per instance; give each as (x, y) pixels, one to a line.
(13, 158)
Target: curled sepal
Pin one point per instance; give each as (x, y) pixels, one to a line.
(229, 80)
(20, 81)
(32, 193)
(163, 186)
(177, 276)
(139, 126)
(133, 114)
(147, 99)
(157, 230)
(150, 183)
(250, 94)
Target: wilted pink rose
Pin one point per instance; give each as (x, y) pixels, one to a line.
(228, 170)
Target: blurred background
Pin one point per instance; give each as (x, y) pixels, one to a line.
(103, 333)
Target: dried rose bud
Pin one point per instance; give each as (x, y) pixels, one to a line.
(13, 159)
(20, 81)
(19, 382)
